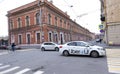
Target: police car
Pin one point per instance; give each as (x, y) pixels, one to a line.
(81, 48)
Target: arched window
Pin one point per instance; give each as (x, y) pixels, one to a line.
(27, 20)
(37, 18)
(50, 36)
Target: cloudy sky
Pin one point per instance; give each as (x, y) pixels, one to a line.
(85, 12)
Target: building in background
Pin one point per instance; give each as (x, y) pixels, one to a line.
(4, 40)
(110, 17)
(41, 21)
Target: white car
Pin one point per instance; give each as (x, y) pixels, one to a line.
(49, 46)
(81, 48)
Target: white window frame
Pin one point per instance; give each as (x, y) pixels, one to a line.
(36, 36)
(26, 37)
(51, 36)
(21, 39)
(26, 20)
(20, 22)
(12, 38)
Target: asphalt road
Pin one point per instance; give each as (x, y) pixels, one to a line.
(34, 61)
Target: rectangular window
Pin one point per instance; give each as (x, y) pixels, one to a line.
(19, 39)
(28, 38)
(49, 19)
(19, 23)
(55, 21)
(27, 20)
(11, 24)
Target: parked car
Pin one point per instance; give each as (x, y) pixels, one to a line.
(49, 46)
(3, 47)
(81, 48)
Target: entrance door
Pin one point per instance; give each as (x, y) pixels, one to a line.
(28, 38)
(38, 38)
(61, 38)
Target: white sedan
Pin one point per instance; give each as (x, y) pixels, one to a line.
(49, 46)
(81, 48)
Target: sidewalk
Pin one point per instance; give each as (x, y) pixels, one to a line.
(107, 46)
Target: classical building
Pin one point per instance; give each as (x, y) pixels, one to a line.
(110, 17)
(41, 21)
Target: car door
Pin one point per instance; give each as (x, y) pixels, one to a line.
(83, 48)
(72, 48)
(51, 46)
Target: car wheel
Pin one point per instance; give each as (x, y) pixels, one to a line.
(42, 49)
(94, 54)
(65, 53)
(57, 49)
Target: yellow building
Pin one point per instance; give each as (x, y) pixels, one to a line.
(110, 17)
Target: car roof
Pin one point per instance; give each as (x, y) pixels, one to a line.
(76, 41)
(48, 42)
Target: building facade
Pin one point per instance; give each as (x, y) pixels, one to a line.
(41, 21)
(110, 17)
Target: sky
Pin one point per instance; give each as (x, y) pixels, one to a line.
(85, 12)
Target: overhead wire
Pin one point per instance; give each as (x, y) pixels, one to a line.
(71, 6)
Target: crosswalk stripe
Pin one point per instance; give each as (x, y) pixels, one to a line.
(3, 53)
(23, 71)
(1, 64)
(39, 72)
(2, 67)
(8, 70)
(113, 61)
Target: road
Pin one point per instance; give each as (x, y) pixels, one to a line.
(34, 61)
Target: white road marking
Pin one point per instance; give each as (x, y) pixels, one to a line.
(39, 72)
(8, 70)
(1, 64)
(2, 67)
(23, 71)
(3, 53)
(113, 60)
(26, 49)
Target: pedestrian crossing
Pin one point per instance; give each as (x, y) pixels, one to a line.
(7, 52)
(3, 53)
(9, 69)
(113, 60)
